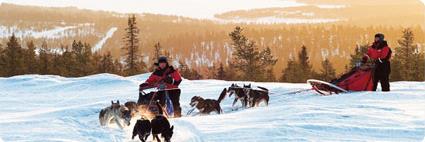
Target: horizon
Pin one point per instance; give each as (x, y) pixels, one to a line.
(205, 9)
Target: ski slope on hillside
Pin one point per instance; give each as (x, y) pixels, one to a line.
(54, 108)
(108, 35)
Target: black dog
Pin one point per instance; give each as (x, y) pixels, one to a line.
(161, 125)
(255, 97)
(206, 106)
(239, 95)
(142, 128)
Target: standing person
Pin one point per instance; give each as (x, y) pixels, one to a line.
(166, 79)
(380, 54)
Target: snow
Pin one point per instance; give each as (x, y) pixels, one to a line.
(276, 20)
(330, 6)
(108, 35)
(55, 108)
(53, 33)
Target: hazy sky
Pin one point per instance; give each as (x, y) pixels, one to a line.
(189, 8)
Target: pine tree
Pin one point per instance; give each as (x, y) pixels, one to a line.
(187, 72)
(96, 62)
(156, 54)
(357, 57)
(87, 61)
(118, 67)
(68, 65)
(30, 58)
(289, 73)
(134, 64)
(269, 76)
(220, 74)
(230, 72)
(107, 64)
(408, 62)
(2, 61)
(157, 51)
(267, 61)
(248, 59)
(14, 63)
(304, 68)
(328, 72)
(44, 59)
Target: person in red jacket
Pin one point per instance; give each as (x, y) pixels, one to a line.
(380, 54)
(165, 78)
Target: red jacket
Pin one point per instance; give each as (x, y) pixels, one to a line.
(382, 53)
(159, 76)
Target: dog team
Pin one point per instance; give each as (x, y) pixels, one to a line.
(154, 120)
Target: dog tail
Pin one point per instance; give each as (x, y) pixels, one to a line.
(159, 108)
(263, 88)
(222, 95)
(102, 113)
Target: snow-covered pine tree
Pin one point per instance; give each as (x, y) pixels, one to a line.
(133, 60)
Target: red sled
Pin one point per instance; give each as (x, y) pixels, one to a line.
(358, 79)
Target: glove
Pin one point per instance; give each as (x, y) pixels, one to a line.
(168, 80)
(143, 86)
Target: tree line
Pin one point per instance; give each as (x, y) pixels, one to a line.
(248, 62)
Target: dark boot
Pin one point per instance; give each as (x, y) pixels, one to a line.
(175, 98)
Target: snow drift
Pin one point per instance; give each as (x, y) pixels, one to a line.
(54, 108)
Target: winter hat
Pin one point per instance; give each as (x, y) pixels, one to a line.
(162, 59)
(380, 36)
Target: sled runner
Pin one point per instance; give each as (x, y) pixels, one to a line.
(358, 79)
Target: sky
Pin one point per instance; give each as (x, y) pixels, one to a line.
(189, 8)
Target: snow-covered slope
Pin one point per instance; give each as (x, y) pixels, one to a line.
(108, 35)
(54, 108)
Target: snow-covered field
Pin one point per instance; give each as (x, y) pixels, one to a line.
(53, 108)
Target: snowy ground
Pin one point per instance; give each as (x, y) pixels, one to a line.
(53, 108)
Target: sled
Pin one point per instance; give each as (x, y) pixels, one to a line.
(325, 88)
(358, 79)
(169, 105)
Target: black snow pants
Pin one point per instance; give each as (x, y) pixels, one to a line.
(174, 97)
(381, 74)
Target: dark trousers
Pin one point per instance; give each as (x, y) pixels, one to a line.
(381, 75)
(174, 97)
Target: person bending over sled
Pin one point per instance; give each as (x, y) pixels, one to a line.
(166, 79)
(380, 54)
